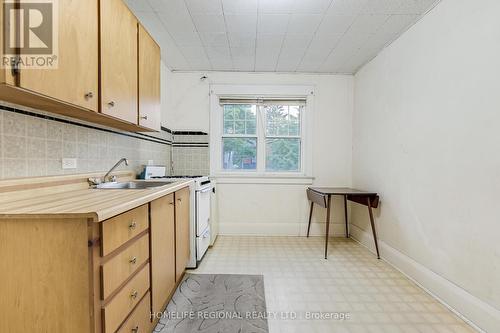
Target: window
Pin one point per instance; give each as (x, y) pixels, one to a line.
(262, 135)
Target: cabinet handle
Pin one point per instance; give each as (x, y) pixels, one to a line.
(180, 199)
(89, 95)
(133, 261)
(134, 294)
(111, 104)
(132, 225)
(171, 203)
(144, 117)
(135, 329)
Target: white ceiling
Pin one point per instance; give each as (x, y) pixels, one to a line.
(324, 36)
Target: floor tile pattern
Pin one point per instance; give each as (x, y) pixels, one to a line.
(351, 292)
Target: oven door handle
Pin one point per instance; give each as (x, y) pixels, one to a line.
(208, 189)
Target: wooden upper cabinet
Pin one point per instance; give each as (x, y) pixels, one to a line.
(182, 248)
(119, 79)
(149, 81)
(75, 81)
(162, 251)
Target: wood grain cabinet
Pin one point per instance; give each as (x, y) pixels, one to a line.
(149, 81)
(75, 81)
(119, 79)
(80, 276)
(162, 251)
(182, 248)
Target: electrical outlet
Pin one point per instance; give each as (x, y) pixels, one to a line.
(69, 163)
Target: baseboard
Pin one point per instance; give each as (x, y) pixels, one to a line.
(279, 229)
(477, 313)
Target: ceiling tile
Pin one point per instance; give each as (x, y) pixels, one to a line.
(270, 41)
(333, 24)
(273, 23)
(167, 6)
(179, 22)
(297, 40)
(325, 42)
(242, 52)
(209, 22)
(276, 6)
(346, 7)
(204, 6)
(214, 39)
(304, 23)
(240, 6)
(397, 24)
(311, 6)
(288, 62)
(242, 40)
(193, 53)
(415, 6)
(381, 7)
(187, 38)
(368, 24)
(241, 23)
(138, 6)
(266, 59)
(217, 52)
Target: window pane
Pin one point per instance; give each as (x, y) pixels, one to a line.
(282, 120)
(240, 119)
(282, 154)
(239, 153)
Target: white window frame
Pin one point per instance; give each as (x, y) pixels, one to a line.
(260, 91)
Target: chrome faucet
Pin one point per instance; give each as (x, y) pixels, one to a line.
(105, 179)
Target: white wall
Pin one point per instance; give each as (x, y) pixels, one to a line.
(279, 209)
(426, 134)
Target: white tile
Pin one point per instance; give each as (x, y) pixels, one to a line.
(297, 40)
(311, 6)
(325, 42)
(266, 59)
(241, 23)
(168, 6)
(368, 24)
(242, 52)
(240, 6)
(204, 6)
(333, 24)
(270, 41)
(139, 6)
(415, 6)
(177, 22)
(273, 23)
(209, 22)
(304, 23)
(244, 63)
(215, 52)
(397, 24)
(193, 53)
(346, 7)
(276, 6)
(246, 40)
(188, 38)
(381, 7)
(214, 39)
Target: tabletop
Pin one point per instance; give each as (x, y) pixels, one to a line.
(340, 191)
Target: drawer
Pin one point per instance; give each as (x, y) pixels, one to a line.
(118, 269)
(115, 312)
(118, 230)
(140, 320)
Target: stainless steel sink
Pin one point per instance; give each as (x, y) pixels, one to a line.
(132, 185)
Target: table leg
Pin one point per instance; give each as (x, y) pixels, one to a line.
(310, 217)
(346, 220)
(373, 225)
(328, 207)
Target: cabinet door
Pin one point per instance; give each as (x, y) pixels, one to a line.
(162, 251)
(75, 80)
(182, 248)
(118, 61)
(149, 81)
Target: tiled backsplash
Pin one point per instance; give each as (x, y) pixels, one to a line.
(33, 143)
(190, 154)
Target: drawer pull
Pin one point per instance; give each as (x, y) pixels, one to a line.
(135, 329)
(180, 199)
(133, 261)
(132, 225)
(134, 294)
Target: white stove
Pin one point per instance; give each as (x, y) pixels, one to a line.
(200, 228)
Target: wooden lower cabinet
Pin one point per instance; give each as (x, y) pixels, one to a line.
(182, 248)
(57, 277)
(162, 251)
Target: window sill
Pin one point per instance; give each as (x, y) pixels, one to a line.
(271, 179)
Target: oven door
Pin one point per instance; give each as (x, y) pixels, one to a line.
(202, 210)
